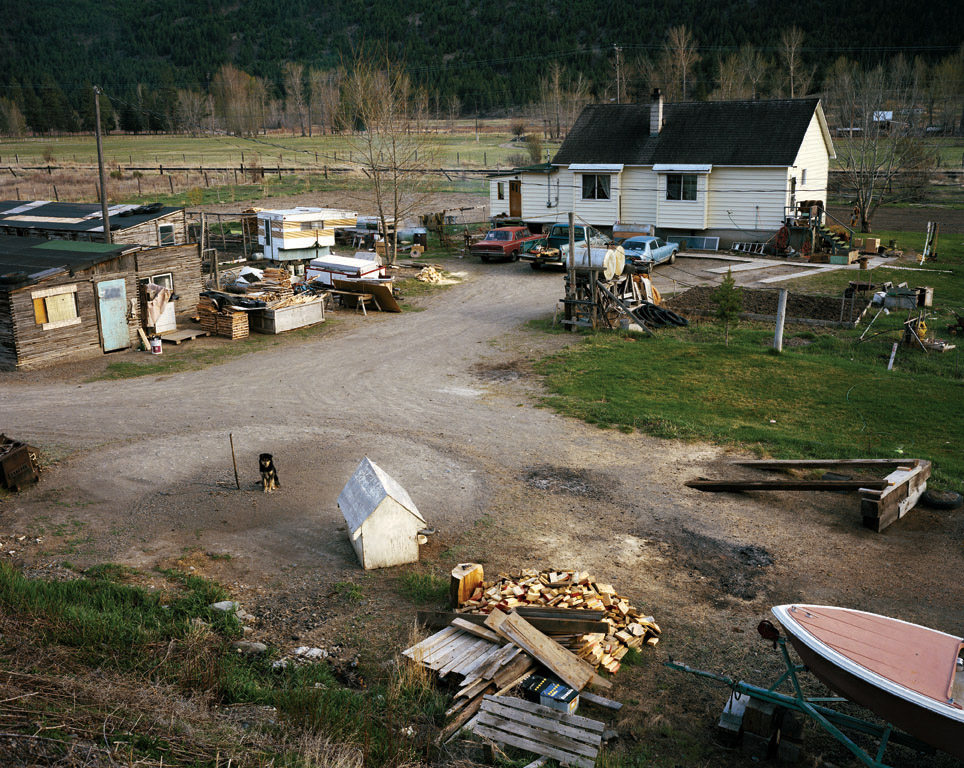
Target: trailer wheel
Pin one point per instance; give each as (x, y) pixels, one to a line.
(941, 499)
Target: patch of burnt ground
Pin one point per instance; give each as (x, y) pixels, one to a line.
(734, 567)
(575, 482)
(511, 370)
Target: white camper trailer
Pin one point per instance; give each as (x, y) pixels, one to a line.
(299, 234)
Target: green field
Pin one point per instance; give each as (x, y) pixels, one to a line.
(828, 395)
(453, 150)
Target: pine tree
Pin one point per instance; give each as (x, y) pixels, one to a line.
(729, 302)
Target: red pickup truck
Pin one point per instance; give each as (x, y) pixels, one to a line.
(504, 244)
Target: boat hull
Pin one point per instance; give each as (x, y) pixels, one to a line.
(942, 730)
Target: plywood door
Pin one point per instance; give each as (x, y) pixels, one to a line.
(112, 311)
(515, 198)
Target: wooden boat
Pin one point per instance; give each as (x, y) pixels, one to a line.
(909, 675)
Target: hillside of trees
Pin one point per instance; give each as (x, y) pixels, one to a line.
(167, 64)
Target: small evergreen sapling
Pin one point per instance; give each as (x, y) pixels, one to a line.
(729, 301)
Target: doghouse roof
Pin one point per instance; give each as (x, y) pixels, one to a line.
(366, 489)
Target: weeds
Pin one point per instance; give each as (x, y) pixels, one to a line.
(348, 591)
(423, 587)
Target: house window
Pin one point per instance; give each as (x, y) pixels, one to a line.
(166, 232)
(681, 186)
(56, 307)
(803, 177)
(500, 190)
(595, 186)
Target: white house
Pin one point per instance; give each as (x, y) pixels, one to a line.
(383, 521)
(297, 234)
(730, 169)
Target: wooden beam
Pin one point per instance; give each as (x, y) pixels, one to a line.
(551, 626)
(821, 463)
(785, 485)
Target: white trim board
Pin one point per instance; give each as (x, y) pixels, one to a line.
(792, 275)
(714, 256)
(744, 267)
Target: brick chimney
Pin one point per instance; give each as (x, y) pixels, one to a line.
(656, 113)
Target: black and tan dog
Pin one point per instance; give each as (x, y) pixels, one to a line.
(269, 475)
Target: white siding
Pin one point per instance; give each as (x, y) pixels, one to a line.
(681, 214)
(814, 158)
(638, 202)
(748, 198)
(602, 213)
(500, 207)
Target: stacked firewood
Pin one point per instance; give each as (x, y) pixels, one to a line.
(578, 591)
(275, 285)
(230, 324)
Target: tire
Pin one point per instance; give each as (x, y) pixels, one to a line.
(535, 265)
(672, 258)
(514, 256)
(941, 499)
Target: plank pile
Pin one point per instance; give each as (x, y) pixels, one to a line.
(627, 629)
(275, 285)
(233, 325)
(568, 739)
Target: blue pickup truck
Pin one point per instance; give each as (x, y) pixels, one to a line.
(553, 249)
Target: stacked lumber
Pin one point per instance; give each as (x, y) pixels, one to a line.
(575, 591)
(230, 324)
(292, 301)
(275, 284)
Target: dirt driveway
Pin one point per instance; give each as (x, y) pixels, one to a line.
(445, 401)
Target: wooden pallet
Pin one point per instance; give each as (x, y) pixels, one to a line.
(568, 739)
(179, 337)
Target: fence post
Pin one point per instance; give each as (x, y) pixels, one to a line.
(781, 317)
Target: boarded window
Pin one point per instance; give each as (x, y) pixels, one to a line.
(681, 186)
(167, 234)
(595, 186)
(56, 307)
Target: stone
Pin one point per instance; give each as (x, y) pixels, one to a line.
(248, 648)
(306, 652)
(243, 615)
(227, 606)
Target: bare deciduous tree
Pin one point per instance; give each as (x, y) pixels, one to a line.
(296, 102)
(382, 111)
(193, 108)
(239, 99)
(754, 68)
(12, 122)
(791, 44)
(681, 52)
(325, 89)
(883, 156)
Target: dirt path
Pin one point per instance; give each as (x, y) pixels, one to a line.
(443, 399)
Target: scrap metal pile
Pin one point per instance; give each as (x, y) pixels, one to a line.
(599, 299)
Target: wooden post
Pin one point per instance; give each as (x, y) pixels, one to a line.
(893, 354)
(170, 180)
(100, 167)
(571, 289)
(224, 241)
(234, 460)
(781, 317)
(465, 578)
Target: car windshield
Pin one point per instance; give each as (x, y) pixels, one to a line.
(497, 235)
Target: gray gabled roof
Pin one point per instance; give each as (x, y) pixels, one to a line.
(46, 216)
(706, 132)
(28, 260)
(366, 489)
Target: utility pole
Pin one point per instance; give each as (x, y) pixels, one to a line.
(100, 166)
(619, 92)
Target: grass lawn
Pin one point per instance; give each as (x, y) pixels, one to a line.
(828, 395)
(454, 150)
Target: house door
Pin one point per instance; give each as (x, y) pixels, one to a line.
(112, 311)
(515, 198)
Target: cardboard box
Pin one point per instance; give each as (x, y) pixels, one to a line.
(870, 245)
(550, 693)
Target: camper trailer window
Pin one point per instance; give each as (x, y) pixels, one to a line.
(308, 226)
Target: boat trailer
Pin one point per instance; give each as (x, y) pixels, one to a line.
(814, 707)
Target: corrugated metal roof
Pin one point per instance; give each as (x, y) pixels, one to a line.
(753, 133)
(25, 260)
(44, 215)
